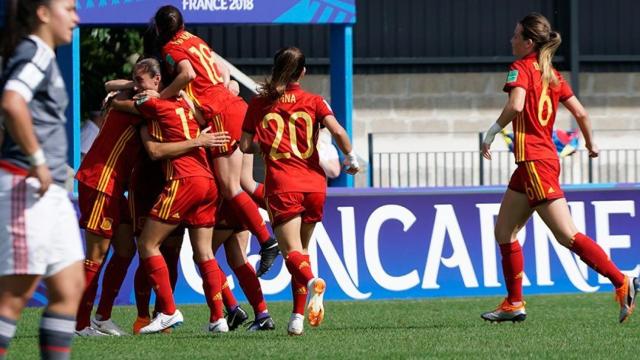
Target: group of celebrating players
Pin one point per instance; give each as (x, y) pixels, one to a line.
(179, 140)
(180, 108)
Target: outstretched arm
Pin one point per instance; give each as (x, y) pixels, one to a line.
(158, 150)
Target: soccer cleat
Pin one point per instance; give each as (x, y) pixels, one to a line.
(315, 309)
(626, 297)
(268, 253)
(262, 324)
(89, 332)
(107, 327)
(220, 326)
(506, 312)
(139, 324)
(163, 321)
(296, 324)
(236, 318)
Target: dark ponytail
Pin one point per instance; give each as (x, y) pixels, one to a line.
(20, 21)
(168, 21)
(288, 64)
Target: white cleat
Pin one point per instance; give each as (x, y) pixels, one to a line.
(89, 332)
(107, 326)
(220, 326)
(163, 321)
(296, 325)
(315, 309)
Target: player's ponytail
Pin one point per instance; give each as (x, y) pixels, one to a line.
(168, 21)
(20, 20)
(537, 28)
(288, 64)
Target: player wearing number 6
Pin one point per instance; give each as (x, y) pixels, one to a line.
(534, 89)
(285, 120)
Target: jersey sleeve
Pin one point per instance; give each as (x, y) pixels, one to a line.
(174, 54)
(147, 106)
(251, 117)
(565, 90)
(27, 72)
(516, 77)
(323, 109)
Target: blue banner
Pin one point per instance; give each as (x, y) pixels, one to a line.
(417, 243)
(120, 12)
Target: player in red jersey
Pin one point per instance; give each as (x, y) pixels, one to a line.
(535, 88)
(286, 120)
(189, 198)
(196, 71)
(104, 214)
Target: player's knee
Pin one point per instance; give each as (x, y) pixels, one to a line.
(503, 236)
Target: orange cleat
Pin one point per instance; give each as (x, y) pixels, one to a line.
(506, 312)
(140, 323)
(626, 297)
(315, 309)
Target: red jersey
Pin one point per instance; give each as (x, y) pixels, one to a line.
(117, 148)
(207, 89)
(287, 131)
(171, 120)
(533, 127)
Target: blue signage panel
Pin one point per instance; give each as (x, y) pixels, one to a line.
(106, 12)
(390, 244)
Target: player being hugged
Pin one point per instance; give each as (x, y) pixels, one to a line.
(206, 80)
(39, 236)
(535, 88)
(285, 120)
(189, 198)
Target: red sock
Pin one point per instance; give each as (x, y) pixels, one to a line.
(593, 255)
(512, 268)
(158, 276)
(91, 275)
(258, 196)
(251, 287)
(210, 271)
(142, 291)
(299, 266)
(247, 211)
(112, 280)
(299, 292)
(230, 302)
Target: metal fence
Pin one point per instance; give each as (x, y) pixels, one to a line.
(469, 168)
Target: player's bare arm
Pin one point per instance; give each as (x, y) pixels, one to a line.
(514, 105)
(584, 122)
(159, 151)
(185, 75)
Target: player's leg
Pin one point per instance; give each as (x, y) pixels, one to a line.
(313, 205)
(114, 275)
(513, 215)
(58, 319)
(15, 292)
(235, 314)
(201, 242)
(249, 184)
(97, 248)
(228, 169)
(235, 250)
(556, 215)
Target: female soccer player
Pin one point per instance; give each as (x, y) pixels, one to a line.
(286, 120)
(189, 198)
(194, 65)
(40, 237)
(535, 88)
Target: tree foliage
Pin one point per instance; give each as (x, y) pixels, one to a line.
(105, 54)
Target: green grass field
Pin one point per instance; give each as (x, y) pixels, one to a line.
(563, 326)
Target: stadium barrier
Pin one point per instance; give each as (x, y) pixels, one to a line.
(419, 242)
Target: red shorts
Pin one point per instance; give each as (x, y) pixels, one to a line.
(538, 179)
(101, 213)
(190, 201)
(227, 220)
(285, 206)
(230, 120)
